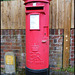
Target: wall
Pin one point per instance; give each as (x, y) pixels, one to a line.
(14, 40)
(56, 47)
(72, 47)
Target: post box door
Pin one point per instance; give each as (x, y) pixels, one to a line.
(37, 41)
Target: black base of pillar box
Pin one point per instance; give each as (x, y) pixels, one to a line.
(37, 72)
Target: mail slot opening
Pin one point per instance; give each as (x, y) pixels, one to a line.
(34, 8)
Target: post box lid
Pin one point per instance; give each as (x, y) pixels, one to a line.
(27, 1)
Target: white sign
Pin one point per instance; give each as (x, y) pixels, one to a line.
(34, 21)
(34, 4)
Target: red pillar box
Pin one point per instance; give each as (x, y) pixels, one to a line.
(37, 37)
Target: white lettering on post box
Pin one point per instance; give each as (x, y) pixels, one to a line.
(34, 4)
(34, 21)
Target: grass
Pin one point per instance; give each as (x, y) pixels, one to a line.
(69, 69)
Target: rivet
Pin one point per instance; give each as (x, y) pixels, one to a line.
(66, 40)
(66, 47)
(66, 36)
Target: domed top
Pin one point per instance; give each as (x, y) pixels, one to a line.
(26, 1)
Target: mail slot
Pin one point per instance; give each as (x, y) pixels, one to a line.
(34, 8)
(37, 37)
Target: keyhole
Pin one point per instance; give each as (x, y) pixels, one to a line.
(44, 33)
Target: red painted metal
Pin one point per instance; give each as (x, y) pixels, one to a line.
(28, 1)
(37, 39)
